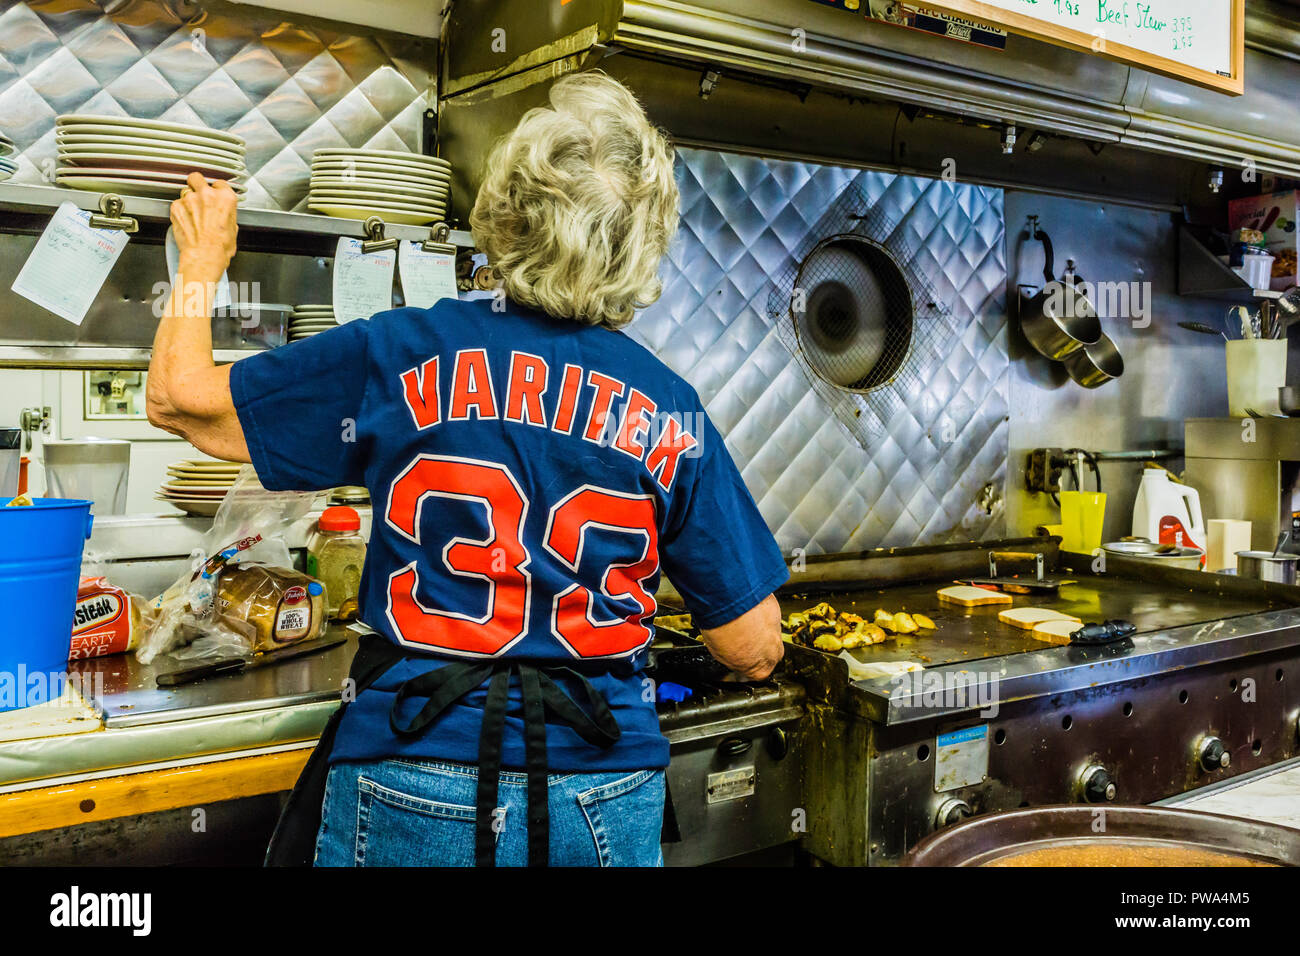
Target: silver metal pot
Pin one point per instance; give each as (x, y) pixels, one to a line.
(1267, 566)
(1094, 365)
(1058, 320)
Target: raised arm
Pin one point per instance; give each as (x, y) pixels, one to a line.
(187, 394)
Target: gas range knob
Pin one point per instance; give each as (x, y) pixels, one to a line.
(1213, 755)
(952, 811)
(1098, 785)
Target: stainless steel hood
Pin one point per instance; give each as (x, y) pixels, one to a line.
(801, 79)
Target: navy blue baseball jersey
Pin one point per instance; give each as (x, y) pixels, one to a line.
(530, 477)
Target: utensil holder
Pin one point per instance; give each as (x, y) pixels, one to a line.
(1256, 370)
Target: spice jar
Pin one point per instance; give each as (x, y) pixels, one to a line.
(336, 553)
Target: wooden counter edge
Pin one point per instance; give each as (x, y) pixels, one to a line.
(128, 794)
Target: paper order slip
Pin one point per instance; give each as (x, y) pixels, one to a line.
(69, 263)
(363, 281)
(426, 276)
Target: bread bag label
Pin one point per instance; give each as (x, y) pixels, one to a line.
(104, 621)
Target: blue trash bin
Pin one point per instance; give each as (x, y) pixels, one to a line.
(40, 569)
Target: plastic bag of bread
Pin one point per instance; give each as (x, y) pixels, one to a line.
(232, 599)
(270, 607)
(108, 620)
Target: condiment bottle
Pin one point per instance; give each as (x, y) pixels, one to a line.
(336, 553)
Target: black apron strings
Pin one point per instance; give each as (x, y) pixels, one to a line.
(294, 841)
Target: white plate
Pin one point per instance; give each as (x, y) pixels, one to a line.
(5, 174)
(213, 150)
(381, 154)
(156, 126)
(388, 171)
(154, 185)
(362, 213)
(427, 190)
(81, 151)
(150, 164)
(204, 509)
(389, 187)
(379, 194)
(366, 199)
(206, 464)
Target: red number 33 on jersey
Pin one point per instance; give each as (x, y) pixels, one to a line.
(502, 562)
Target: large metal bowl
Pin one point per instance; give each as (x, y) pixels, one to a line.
(995, 837)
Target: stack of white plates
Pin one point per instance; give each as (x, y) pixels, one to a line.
(397, 187)
(307, 320)
(143, 157)
(197, 485)
(7, 166)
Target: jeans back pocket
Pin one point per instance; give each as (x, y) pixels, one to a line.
(400, 829)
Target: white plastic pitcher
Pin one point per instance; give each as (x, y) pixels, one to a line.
(1164, 510)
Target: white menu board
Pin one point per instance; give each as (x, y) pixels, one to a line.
(1201, 41)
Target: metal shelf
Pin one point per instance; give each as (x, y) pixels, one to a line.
(1201, 273)
(93, 356)
(25, 197)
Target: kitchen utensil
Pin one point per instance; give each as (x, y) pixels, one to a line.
(1016, 584)
(1105, 633)
(1082, 515)
(1094, 365)
(1256, 370)
(1239, 318)
(1203, 329)
(1057, 319)
(1165, 555)
(237, 665)
(993, 837)
(1266, 566)
(91, 468)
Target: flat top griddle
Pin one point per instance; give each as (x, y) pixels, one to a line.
(971, 634)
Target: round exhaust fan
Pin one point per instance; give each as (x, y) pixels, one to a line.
(855, 325)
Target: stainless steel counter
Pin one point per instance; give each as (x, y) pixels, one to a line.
(275, 707)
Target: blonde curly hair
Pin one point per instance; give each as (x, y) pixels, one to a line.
(579, 203)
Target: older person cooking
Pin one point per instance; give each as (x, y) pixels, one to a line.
(533, 470)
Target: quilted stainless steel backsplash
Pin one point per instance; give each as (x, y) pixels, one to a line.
(288, 88)
(920, 481)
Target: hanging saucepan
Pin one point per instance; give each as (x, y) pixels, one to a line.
(1094, 365)
(1058, 319)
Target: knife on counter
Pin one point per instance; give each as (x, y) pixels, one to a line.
(237, 665)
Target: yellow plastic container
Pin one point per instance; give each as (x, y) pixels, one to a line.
(1082, 514)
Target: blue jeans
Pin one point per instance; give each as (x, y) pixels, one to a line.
(421, 813)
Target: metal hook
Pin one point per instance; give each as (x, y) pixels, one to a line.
(110, 215)
(375, 230)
